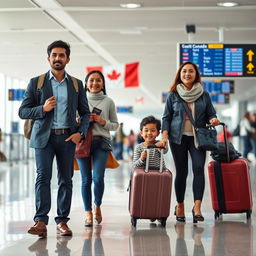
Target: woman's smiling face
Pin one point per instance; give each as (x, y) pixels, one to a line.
(94, 83)
(188, 75)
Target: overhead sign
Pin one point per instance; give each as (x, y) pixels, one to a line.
(217, 60)
(219, 86)
(124, 109)
(164, 96)
(220, 98)
(16, 94)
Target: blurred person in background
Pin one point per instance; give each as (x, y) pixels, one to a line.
(131, 139)
(246, 131)
(253, 135)
(119, 139)
(221, 135)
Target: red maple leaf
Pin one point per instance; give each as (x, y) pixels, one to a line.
(114, 75)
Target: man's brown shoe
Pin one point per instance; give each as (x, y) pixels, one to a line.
(63, 229)
(38, 229)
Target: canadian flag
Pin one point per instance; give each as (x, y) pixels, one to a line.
(139, 100)
(119, 76)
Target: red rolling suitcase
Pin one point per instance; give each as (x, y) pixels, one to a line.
(230, 185)
(150, 193)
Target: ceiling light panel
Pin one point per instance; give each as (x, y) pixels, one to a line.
(227, 4)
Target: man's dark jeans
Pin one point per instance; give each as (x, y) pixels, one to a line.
(64, 152)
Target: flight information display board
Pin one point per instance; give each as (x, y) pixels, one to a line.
(220, 98)
(221, 60)
(219, 86)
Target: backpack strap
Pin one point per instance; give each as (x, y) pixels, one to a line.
(40, 81)
(75, 83)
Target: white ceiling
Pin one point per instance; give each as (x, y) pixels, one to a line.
(102, 33)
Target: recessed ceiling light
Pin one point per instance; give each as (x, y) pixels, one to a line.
(227, 4)
(130, 5)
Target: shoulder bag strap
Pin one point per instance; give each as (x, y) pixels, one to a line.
(185, 106)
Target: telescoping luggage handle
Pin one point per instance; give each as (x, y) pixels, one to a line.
(161, 157)
(218, 174)
(226, 141)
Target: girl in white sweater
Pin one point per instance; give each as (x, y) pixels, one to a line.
(103, 118)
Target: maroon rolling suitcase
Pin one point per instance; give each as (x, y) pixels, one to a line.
(230, 185)
(150, 193)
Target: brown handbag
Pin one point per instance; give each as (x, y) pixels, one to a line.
(112, 163)
(83, 148)
(75, 165)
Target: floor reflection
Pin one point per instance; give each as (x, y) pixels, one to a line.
(229, 236)
(39, 247)
(232, 238)
(153, 241)
(61, 246)
(90, 248)
(181, 246)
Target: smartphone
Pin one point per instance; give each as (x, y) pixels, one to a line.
(97, 111)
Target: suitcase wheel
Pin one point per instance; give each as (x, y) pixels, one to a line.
(248, 214)
(163, 222)
(216, 215)
(134, 221)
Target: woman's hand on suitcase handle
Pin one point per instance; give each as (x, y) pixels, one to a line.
(214, 121)
(143, 155)
(164, 141)
(159, 144)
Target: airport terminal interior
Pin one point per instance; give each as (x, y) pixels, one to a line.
(155, 37)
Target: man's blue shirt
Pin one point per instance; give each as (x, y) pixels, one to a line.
(61, 95)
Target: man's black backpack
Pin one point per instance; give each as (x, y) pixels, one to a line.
(221, 155)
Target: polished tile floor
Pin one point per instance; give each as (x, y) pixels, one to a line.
(115, 237)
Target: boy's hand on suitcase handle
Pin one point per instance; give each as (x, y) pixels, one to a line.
(157, 145)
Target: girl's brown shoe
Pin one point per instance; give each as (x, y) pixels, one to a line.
(89, 219)
(97, 215)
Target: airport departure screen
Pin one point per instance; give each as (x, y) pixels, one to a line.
(221, 60)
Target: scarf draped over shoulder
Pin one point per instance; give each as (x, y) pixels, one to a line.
(190, 96)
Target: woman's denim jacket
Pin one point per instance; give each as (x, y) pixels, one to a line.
(174, 115)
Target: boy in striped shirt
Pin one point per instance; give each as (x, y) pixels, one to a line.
(149, 129)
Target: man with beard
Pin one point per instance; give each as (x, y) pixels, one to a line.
(55, 132)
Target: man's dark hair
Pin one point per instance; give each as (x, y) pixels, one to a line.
(58, 44)
(150, 120)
